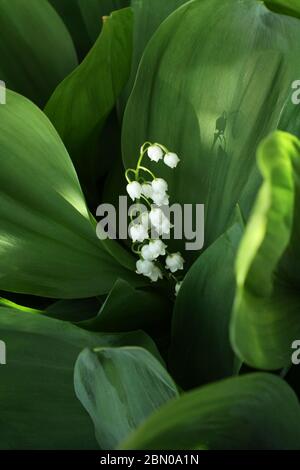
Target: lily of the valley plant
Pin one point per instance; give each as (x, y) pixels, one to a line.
(152, 192)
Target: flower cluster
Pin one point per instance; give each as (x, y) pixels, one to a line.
(146, 230)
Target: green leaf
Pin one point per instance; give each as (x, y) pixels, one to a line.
(92, 12)
(81, 103)
(74, 310)
(200, 348)
(127, 309)
(48, 241)
(120, 388)
(266, 313)
(286, 7)
(253, 412)
(84, 19)
(36, 48)
(38, 406)
(147, 18)
(71, 15)
(9, 304)
(211, 68)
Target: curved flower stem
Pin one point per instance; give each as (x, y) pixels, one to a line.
(162, 147)
(136, 251)
(142, 153)
(146, 144)
(131, 209)
(147, 201)
(148, 171)
(140, 205)
(127, 172)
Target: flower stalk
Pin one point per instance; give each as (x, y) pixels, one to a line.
(148, 229)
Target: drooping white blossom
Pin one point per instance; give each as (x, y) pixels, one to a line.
(155, 153)
(160, 222)
(134, 189)
(171, 159)
(155, 274)
(144, 267)
(138, 233)
(145, 220)
(160, 199)
(174, 262)
(159, 192)
(153, 250)
(159, 185)
(148, 269)
(147, 190)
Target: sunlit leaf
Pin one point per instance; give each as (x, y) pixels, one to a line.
(266, 317)
(211, 84)
(48, 241)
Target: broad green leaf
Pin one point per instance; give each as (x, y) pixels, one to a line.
(74, 310)
(84, 19)
(48, 241)
(200, 347)
(81, 103)
(71, 15)
(212, 82)
(9, 304)
(286, 7)
(36, 48)
(253, 412)
(266, 317)
(148, 15)
(120, 388)
(290, 116)
(124, 309)
(127, 309)
(38, 406)
(92, 12)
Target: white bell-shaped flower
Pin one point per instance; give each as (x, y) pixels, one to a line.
(158, 248)
(147, 268)
(134, 189)
(144, 219)
(159, 192)
(146, 253)
(144, 267)
(147, 190)
(155, 274)
(153, 250)
(155, 153)
(174, 262)
(160, 199)
(138, 233)
(171, 159)
(159, 185)
(159, 221)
